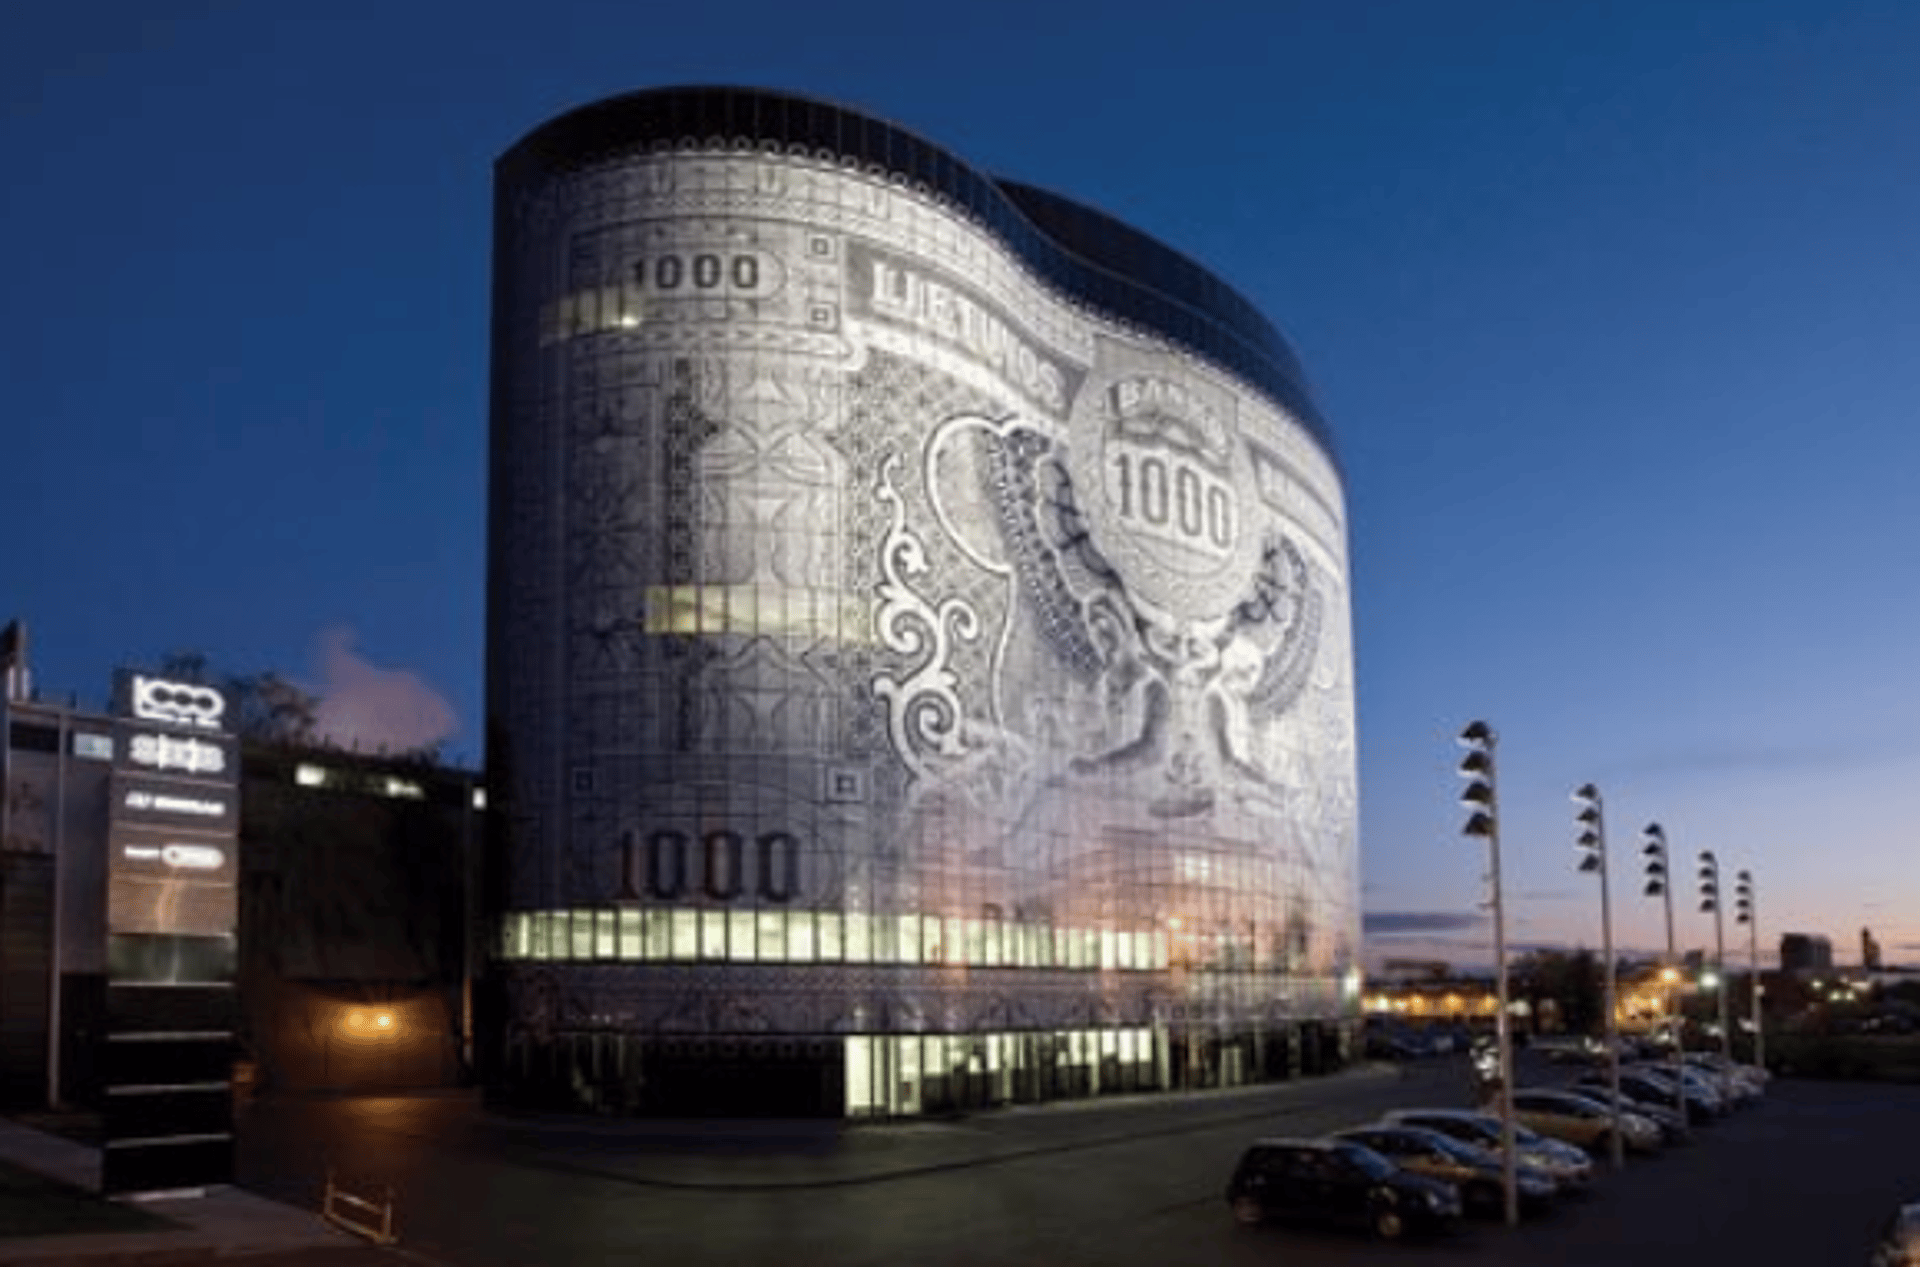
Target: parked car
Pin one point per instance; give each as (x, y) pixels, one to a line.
(1696, 1083)
(1476, 1172)
(1652, 1089)
(1579, 1120)
(1570, 1168)
(1673, 1127)
(1899, 1243)
(1744, 1083)
(1335, 1181)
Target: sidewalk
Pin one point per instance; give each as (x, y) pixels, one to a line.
(749, 1156)
(240, 1228)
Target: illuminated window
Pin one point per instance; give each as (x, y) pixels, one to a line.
(93, 747)
(633, 943)
(1109, 950)
(907, 948)
(740, 936)
(713, 934)
(479, 798)
(800, 936)
(861, 1097)
(686, 935)
(539, 924)
(606, 935)
(582, 935)
(310, 775)
(952, 944)
(405, 789)
(832, 944)
(658, 927)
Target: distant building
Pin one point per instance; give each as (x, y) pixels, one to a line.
(1869, 951)
(1805, 953)
(1416, 970)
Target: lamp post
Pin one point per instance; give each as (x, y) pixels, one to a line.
(1658, 885)
(1483, 805)
(1745, 912)
(1710, 904)
(1592, 843)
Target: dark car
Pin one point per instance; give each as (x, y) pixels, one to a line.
(1476, 1172)
(1338, 1182)
(1653, 1083)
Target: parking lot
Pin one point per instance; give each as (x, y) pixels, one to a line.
(1806, 1177)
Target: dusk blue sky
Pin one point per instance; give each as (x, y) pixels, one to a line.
(1614, 308)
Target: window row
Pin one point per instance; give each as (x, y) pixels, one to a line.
(630, 934)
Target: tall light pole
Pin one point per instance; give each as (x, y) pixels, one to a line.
(1592, 843)
(1659, 884)
(1483, 805)
(1745, 912)
(1710, 904)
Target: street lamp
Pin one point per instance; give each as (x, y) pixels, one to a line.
(1744, 912)
(1654, 849)
(1483, 806)
(1710, 904)
(1592, 844)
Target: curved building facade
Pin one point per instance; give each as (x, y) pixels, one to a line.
(919, 666)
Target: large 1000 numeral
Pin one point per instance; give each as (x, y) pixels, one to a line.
(667, 864)
(1172, 498)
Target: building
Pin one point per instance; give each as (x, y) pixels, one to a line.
(1804, 954)
(118, 919)
(919, 654)
(176, 898)
(358, 919)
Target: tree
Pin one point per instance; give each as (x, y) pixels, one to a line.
(1571, 984)
(269, 708)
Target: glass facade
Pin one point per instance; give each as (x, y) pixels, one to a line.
(918, 634)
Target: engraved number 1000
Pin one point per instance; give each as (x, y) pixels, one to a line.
(1174, 499)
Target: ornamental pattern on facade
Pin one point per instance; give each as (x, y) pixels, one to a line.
(842, 566)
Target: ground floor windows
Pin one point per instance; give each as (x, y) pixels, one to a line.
(885, 1076)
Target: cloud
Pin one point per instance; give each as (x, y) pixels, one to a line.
(373, 709)
(1416, 923)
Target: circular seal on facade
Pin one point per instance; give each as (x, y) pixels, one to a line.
(1164, 482)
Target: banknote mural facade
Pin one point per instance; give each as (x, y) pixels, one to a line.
(912, 679)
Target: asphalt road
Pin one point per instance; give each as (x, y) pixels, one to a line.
(1803, 1179)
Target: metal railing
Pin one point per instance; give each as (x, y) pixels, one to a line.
(361, 1215)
